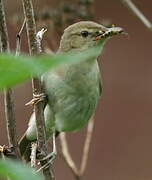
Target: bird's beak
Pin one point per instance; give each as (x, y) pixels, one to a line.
(110, 32)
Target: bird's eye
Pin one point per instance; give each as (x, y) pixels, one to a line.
(97, 33)
(84, 33)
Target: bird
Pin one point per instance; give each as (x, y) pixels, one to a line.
(73, 89)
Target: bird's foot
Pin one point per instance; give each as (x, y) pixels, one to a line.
(36, 98)
(49, 159)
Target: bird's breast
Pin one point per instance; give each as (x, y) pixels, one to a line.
(73, 96)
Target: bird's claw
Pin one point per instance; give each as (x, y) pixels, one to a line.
(36, 98)
(50, 157)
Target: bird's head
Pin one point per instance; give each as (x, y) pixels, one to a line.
(85, 34)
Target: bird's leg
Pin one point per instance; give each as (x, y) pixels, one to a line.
(53, 154)
(50, 157)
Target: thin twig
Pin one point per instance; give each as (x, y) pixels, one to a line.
(3, 29)
(18, 38)
(66, 155)
(138, 13)
(22, 28)
(39, 37)
(33, 154)
(78, 173)
(37, 87)
(8, 99)
(86, 147)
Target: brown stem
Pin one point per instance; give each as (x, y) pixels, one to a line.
(78, 173)
(18, 38)
(86, 147)
(37, 87)
(3, 29)
(33, 154)
(138, 13)
(8, 99)
(66, 155)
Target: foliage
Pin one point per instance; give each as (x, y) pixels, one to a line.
(17, 171)
(16, 69)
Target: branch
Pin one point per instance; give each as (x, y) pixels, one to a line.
(33, 155)
(37, 87)
(3, 29)
(18, 38)
(86, 147)
(66, 155)
(138, 13)
(78, 173)
(39, 37)
(8, 99)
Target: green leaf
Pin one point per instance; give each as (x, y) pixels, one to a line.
(17, 171)
(16, 69)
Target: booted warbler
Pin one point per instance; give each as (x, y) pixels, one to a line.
(73, 90)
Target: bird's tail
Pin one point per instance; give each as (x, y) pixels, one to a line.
(25, 147)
